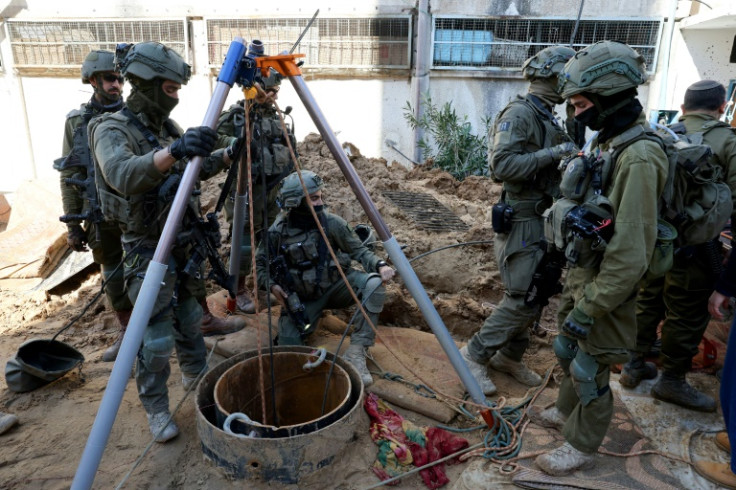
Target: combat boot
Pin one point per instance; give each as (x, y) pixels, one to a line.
(551, 417)
(517, 369)
(675, 389)
(212, 325)
(478, 371)
(7, 421)
(723, 442)
(719, 473)
(637, 370)
(355, 355)
(161, 427)
(564, 460)
(111, 353)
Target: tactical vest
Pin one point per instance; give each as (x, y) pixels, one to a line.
(140, 214)
(309, 262)
(546, 182)
(270, 150)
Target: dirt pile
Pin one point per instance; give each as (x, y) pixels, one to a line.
(44, 450)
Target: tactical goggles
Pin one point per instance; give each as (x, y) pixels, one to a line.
(110, 78)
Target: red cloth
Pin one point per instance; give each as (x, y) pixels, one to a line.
(402, 444)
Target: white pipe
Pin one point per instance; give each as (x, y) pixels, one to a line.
(420, 83)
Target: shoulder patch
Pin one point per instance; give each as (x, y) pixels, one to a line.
(504, 126)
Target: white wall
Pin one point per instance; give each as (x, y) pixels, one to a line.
(365, 112)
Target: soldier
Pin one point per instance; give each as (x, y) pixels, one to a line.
(271, 162)
(140, 155)
(301, 270)
(101, 236)
(680, 297)
(528, 143)
(626, 177)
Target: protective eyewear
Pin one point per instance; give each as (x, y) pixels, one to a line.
(110, 78)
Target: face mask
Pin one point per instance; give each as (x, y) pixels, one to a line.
(590, 118)
(166, 102)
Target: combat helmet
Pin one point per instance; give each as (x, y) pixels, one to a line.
(149, 60)
(290, 192)
(547, 63)
(97, 61)
(272, 80)
(604, 68)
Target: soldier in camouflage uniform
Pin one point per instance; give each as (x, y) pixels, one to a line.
(101, 236)
(271, 162)
(140, 155)
(528, 143)
(597, 321)
(680, 297)
(310, 276)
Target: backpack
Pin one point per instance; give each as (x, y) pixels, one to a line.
(695, 200)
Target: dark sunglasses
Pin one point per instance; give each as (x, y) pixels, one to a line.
(110, 78)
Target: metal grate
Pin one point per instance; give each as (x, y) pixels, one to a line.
(426, 211)
(65, 44)
(382, 42)
(507, 43)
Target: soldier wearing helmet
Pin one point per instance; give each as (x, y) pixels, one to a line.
(596, 316)
(528, 143)
(271, 162)
(85, 226)
(295, 265)
(140, 155)
(679, 298)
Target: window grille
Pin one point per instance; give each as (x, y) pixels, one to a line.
(506, 43)
(379, 42)
(52, 44)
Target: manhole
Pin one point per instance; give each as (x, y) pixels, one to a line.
(426, 211)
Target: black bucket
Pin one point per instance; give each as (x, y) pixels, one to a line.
(39, 362)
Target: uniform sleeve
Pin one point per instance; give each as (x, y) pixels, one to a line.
(517, 146)
(727, 156)
(346, 240)
(262, 265)
(638, 181)
(122, 169)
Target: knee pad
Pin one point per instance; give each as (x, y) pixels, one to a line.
(565, 349)
(376, 294)
(583, 370)
(156, 352)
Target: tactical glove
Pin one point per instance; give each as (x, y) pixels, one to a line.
(562, 150)
(199, 141)
(76, 238)
(577, 324)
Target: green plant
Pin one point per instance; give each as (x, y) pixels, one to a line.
(451, 143)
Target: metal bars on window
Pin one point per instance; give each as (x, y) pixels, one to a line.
(483, 43)
(375, 42)
(64, 44)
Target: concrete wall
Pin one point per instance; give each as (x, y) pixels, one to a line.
(365, 111)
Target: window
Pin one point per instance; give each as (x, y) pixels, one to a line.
(506, 43)
(380, 42)
(51, 44)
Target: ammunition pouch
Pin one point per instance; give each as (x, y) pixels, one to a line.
(501, 217)
(664, 250)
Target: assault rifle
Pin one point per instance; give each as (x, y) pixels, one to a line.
(546, 279)
(206, 238)
(87, 185)
(294, 307)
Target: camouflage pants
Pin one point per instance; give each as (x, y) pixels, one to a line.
(108, 252)
(337, 296)
(174, 324)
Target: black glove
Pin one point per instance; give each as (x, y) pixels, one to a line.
(198, 141)
(562, 150)
(76, 238)
(577, 325)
